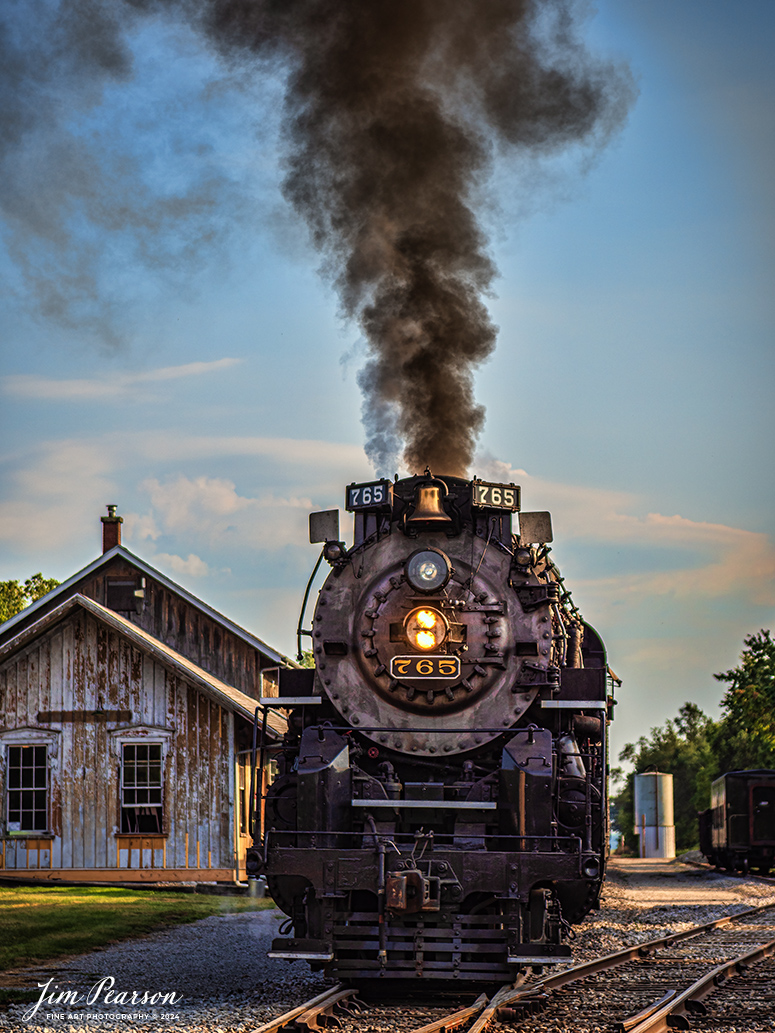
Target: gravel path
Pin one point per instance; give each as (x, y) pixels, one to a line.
(223, 982)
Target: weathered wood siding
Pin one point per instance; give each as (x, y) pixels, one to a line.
(80, 665)
(184, 628)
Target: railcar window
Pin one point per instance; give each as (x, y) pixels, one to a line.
(141, 788)
(27, 793)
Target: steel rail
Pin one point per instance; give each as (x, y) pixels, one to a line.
(509, 995)
(310, 1010)
(672, 1014)
(455, 1019)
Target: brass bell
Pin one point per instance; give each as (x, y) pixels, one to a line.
(427, 506)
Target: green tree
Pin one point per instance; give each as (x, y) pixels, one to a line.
(747, 734)
(14, 596)
(685, 748)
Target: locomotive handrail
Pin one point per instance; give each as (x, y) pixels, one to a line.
(299, 630)
(252, 798)
(409, 837)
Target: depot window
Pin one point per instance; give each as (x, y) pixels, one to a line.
(27, 792)
(141, 788)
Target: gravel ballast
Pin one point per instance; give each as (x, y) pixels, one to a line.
(224, 983)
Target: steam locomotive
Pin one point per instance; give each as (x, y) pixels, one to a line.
(439, 809)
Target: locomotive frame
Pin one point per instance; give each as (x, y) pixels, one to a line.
(440, 808)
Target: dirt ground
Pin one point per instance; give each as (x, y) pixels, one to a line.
(633, 882)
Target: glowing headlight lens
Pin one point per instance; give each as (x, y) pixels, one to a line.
(425, 628)
(428, 570)
(426, 618)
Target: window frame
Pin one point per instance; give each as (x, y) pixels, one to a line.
(22, 831)
(138, 735)
(138, 787)
(29, 736)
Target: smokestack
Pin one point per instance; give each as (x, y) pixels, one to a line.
(111, 529)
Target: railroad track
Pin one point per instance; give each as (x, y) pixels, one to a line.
(697, 976)
(730, 873)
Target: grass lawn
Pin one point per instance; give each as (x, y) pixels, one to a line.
(38, 923)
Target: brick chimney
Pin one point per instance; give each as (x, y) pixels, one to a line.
(111, 529)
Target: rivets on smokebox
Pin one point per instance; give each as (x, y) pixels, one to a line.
(370, 652)
(380, 670)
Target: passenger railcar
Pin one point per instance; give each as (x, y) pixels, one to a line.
(737, 832)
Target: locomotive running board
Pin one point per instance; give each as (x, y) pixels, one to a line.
(300, 956)
(452, 805)
(290, 701)
(532, 959)
(573, 704)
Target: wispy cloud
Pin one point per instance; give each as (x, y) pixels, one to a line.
(106, 388)
(192, 565)
(210, 509)
(724, 561)
(54, 492)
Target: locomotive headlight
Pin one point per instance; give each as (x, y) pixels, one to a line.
(428, 570)
(425, 628)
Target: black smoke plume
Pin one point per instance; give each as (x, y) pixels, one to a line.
(396, 111)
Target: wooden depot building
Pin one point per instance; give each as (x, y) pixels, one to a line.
(126, 722)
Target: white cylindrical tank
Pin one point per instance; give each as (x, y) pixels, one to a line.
(653, 812)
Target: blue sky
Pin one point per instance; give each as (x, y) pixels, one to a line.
(200, 376)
